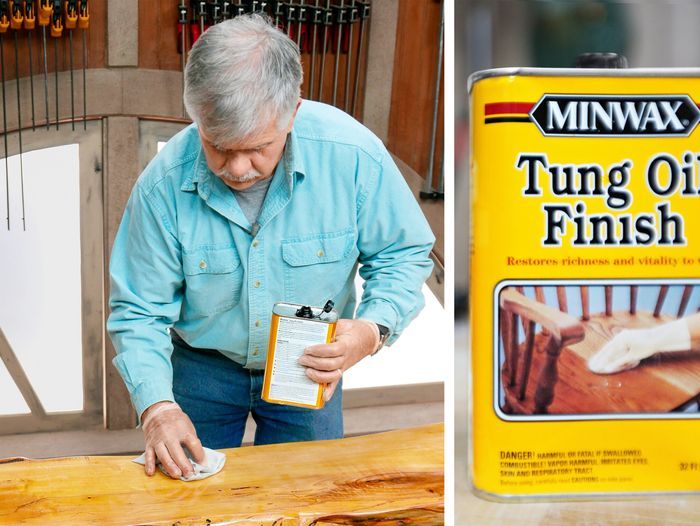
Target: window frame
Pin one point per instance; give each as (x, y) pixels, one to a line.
(90, 175)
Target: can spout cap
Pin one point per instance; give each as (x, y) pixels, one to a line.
(305, 312)
(601, 60)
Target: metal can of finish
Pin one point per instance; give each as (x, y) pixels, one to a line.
(585, 256)
(292, 329)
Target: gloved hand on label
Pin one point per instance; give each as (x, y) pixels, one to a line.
(631, 346)
(214, 462)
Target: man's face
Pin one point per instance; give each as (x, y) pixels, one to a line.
(242, 163)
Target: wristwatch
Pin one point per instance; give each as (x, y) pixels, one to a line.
(384, 334)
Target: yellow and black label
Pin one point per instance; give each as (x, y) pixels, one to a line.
(585, 254)
(285, 380)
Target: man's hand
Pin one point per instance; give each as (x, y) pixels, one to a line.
(326, 363)
(166, 428)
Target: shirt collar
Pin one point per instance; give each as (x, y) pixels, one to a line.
(198, 174)
(293, 160)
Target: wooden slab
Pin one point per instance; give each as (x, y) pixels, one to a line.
(659, 384)
(387, 478)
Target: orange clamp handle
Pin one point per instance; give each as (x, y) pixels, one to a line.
(45, 12)
(29, 16)
(16, 15)
(84, 17)
(71, 17)
(57, 27)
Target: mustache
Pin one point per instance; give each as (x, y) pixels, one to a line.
(246, 177)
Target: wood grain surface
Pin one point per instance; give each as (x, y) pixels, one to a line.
(387, 478)
(671, 510)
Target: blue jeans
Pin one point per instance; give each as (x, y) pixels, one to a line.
(217, 394)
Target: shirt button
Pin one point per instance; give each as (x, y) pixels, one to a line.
(256, 284)
(202, 264)
(258, 323)
(320, 253)
(255, 351)
(255, 243)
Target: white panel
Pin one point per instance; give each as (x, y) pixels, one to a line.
(420, 355)
(11, 401)
(40, 288)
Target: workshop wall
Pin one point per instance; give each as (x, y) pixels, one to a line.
(158, 49)
(413, 89)
(96, 45)
(413, 64)
(133, 76)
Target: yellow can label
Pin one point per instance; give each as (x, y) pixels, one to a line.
(585, 254)
(285, 380)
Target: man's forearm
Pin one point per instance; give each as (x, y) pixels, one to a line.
(145, 279)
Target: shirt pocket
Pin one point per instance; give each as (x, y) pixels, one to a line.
(318, 266)
(213, 280)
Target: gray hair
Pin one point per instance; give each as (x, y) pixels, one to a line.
(240, 75)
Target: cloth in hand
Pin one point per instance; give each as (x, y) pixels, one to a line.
(213, 463)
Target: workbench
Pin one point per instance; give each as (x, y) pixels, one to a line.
(389, 478)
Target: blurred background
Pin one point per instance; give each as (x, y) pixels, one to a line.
(551, 33)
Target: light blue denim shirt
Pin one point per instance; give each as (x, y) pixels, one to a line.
(185, 256)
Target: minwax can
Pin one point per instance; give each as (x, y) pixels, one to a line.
(585, 257)
(293, 328)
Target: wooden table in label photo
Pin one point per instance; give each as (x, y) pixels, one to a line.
(546, 348)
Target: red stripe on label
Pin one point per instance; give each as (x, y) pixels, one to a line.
(496, 108)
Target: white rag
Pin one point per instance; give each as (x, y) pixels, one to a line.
(213, 463)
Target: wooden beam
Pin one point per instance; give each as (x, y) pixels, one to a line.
(123, 33)
(19, 376)
(121, 166)
(393, 395)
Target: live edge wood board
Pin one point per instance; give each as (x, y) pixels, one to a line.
(382, 479)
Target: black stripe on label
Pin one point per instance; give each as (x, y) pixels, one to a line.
(491, 120)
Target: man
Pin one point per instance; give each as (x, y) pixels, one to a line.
(264, 198)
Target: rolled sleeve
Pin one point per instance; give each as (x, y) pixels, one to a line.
(394, 242)
(145, 299)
